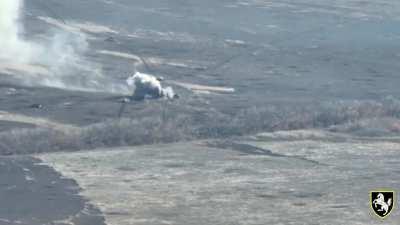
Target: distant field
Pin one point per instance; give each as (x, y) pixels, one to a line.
(288, 111)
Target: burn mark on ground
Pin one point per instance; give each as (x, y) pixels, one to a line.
(253, 150)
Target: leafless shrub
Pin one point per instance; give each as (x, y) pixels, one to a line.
(168, 124)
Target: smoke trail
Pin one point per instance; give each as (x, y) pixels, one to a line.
(57, 60)
(13, 48)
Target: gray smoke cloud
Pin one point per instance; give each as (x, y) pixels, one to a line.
(57, 60)
(148, 86)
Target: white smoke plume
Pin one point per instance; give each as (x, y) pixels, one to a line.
(57, 60)
(148, 86)
(12, 47)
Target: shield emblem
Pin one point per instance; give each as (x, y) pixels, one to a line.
(382, 202)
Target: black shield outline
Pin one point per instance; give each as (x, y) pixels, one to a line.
(383, 190)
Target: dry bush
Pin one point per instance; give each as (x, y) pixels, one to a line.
(169, 124)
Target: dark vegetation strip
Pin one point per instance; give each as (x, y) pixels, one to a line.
(169, 123)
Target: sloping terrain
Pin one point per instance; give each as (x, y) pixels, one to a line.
(288, 111)
(278, 178)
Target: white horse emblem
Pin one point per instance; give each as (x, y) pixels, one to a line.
(381, 205)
